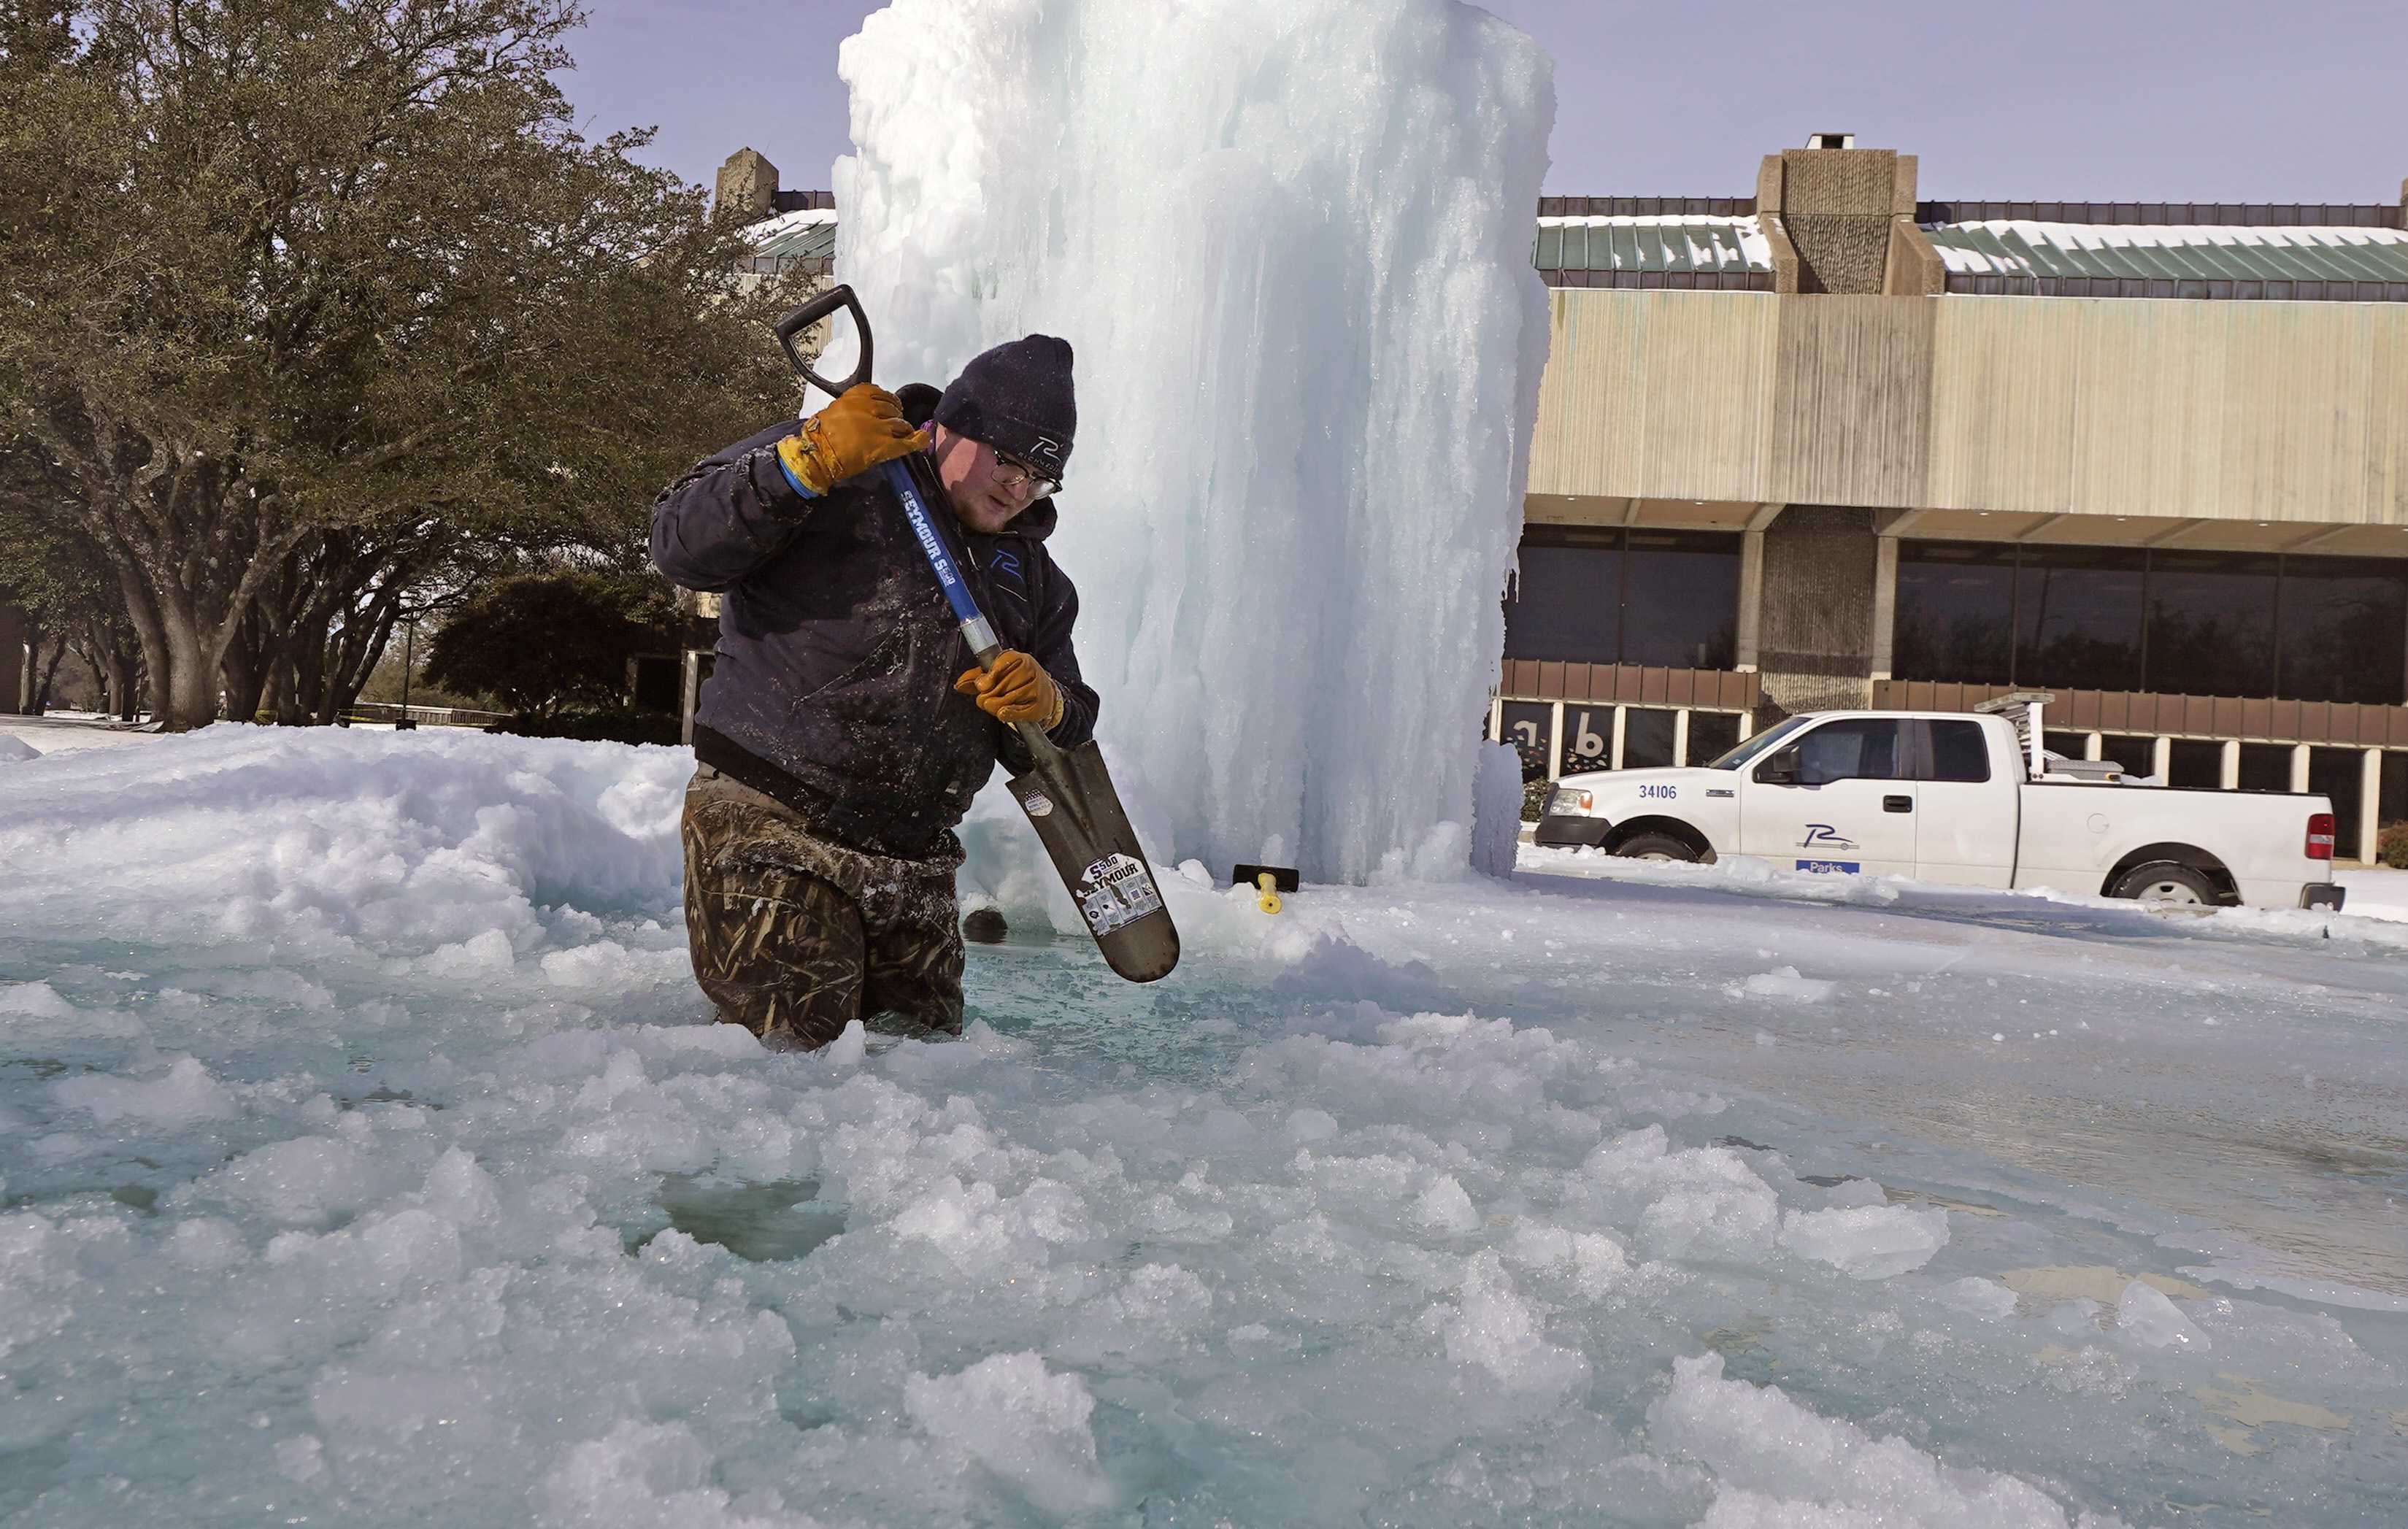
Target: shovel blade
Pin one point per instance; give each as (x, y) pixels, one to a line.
(1078, 817)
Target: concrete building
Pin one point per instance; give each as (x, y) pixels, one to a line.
(1832, 444)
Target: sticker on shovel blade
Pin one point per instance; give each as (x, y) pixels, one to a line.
(1116, 891)
(1037, 805)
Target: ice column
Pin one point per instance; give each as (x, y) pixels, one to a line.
(1290, 242)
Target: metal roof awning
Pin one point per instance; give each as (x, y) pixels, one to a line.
(1688, 249)
(2333, 254)
(802, 237)
(2021, 257)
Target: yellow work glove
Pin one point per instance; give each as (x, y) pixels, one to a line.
(852, 435)
(1016, 690)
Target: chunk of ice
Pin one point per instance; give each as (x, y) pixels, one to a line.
(1021, 1421)
(2149, 1317)
(1867, 1242)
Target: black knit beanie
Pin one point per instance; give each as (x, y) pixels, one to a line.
(1017, 399)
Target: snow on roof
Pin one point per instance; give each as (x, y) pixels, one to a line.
(1698, 242)
(805, 234)
(2019, 249)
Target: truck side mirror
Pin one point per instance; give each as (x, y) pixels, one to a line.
(1781, 769)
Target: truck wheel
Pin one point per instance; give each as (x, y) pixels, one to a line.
(1654, 846)
(2164, 881)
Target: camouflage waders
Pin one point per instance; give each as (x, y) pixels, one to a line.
(794, 937)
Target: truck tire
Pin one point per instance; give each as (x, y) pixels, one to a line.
(1654, 846)
(2164, 881)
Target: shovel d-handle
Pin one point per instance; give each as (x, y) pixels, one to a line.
(975, 627)
(790, 327)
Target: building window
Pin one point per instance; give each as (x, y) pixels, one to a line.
(2138, 756)
(2391, 803)
(2195, 764)
(2343, 620)
(1566, 603)
(2212, 624)
(1664, 598)
(2078, 618)
(2174, 623)
(1714, 734)
(2265, 766)
(1647, 737)
(1955, 612)
(1680, 601)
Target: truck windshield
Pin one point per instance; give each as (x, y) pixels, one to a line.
(1759, 744)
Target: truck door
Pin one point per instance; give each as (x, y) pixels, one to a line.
(1965, 807)
(1835, 798)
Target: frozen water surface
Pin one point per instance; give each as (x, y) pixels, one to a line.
(368, 1159)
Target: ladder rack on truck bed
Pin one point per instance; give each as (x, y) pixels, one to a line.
(2024, 710)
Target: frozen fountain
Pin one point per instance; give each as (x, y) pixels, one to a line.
(1289, 241)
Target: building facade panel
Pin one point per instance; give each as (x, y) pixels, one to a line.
(1724, 350)
(2281, 412)
(2003, 383)
(1852, 424)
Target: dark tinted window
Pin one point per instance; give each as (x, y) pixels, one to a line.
(2078, 618)
(1680, 601)
(1646, 738)
(2212, 624)
(1860, 749)
(2344, 629)
(2265, 766)
(1958, 752)
(1714, 734)
(1955, 612)
(1664, 598)
(1565, 605)
(2171, 621)
(2195, 764)
(2069, 745)
(2138, 756)
(2394, 805)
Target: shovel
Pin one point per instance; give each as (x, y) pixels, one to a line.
(1068, 793)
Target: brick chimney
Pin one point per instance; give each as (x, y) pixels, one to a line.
(748, 182)
(1847, 215)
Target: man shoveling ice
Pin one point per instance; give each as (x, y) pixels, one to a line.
(844, 729)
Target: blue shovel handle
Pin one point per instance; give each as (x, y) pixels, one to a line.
(975, 628)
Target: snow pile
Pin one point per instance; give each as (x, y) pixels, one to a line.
(1289, 241)
(447, 855)
(324, 1203)
(1774, 1463)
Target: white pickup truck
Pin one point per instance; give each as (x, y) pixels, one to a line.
(1960, 798)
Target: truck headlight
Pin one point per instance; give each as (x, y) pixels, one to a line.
(1568, 801)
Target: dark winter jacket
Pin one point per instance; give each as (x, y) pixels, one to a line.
(838, 653)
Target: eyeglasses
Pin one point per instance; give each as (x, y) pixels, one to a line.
(1017, 474)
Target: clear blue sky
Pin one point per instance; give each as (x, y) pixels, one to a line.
(2207, 100)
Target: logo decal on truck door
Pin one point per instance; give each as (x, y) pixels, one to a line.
(1822, 836)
